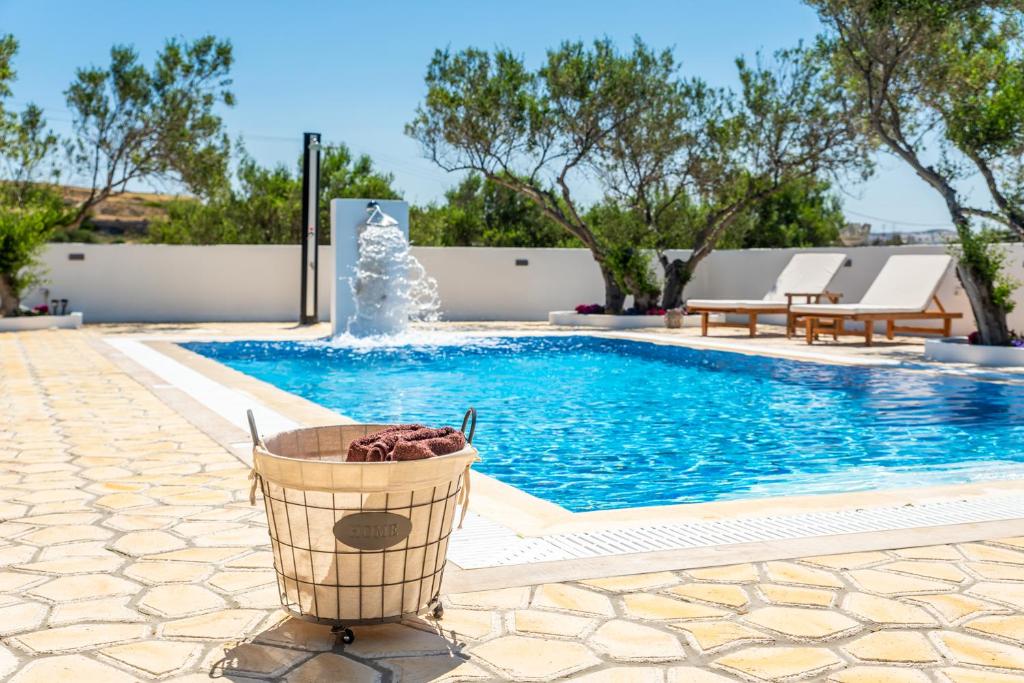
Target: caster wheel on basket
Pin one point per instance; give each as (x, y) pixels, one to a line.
(347, 636)
(438, 612)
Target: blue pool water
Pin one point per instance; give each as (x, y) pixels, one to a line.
(597, 424)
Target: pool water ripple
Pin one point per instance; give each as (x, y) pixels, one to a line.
(595, 424)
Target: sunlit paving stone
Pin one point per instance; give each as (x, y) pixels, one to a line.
(967, 649)
(180, 600)
(21, 616)
(733, 597)
(627, 641)
(538, 622)
(80, 587)
(847, 560)
(635, 582)
(991, 553)
(770, 663)
(1008, 627)
(892, 584)
(157, 658)
(80, 636)
(736, 573)
(222, 625)
(660, 608)
(790, 572)
(878, 674)
(893, 647)
(941, 571)
(533, 659)
(70, 668)
(886, 612)
(572, 599)
(103, 609)
(1010, 594)
(796, 595)
(710, 636)
(803, 623)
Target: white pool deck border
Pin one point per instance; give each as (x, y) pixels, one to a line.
(509, 535)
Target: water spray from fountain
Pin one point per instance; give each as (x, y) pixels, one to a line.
(389, 286)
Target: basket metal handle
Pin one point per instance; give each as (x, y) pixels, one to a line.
(469, 418)
(256, 440)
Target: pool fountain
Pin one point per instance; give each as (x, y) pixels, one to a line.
(379, 286)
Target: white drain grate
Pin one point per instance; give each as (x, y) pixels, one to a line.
(483, 543)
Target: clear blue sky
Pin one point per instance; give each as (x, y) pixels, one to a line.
(354, 70)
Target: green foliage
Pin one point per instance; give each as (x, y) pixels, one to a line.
(628, 242)
(27, 219)
(804, 213)
(982, 252)
(134, 123)
(265, 206)
(481, 213)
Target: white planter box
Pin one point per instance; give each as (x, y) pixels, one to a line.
(611, 322)
(22, 323)
(957, 350)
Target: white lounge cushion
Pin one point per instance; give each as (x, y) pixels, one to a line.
(807, 273)
(733, 304)
(906, 284)
(908, 281)
(849, 309)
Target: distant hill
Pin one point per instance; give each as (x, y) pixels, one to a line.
(121, 217)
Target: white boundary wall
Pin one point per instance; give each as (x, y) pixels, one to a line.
(165, 283)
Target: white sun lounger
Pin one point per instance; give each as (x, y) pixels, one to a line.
(905, 289)
(806, 275)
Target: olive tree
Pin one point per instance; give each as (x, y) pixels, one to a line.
(945, 73)
(727, 152)
(539, 132)
(135, 123)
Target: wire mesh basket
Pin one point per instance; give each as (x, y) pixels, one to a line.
(357, 542)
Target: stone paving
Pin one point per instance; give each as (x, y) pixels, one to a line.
(129, 551)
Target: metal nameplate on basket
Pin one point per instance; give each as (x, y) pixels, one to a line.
(372, 530)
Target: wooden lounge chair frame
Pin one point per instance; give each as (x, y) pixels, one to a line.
(813, 324)
(753, 313)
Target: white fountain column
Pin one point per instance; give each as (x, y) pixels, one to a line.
(348, 217)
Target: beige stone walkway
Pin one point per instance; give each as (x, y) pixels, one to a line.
(129, 551)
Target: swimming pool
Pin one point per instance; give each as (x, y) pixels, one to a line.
(596, 424)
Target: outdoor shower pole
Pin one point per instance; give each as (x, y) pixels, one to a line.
(311, 226)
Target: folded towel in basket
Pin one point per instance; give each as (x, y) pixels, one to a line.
(406, 442)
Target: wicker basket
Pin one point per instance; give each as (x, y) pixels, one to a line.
(357, 542)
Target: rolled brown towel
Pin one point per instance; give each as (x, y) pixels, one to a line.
(406, 442)
(426, 443)
(360, 449)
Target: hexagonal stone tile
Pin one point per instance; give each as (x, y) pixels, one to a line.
(251, 659)
(1008, 627)
(21, 616)
(789, 572)
(771, 663)
(847, 560)
(223, 625)
(501, 598)
(628, 641)
(709, 636)
(70, 668)
(7, 661)
(82, 586)
(623, 674)
(803, 623)
(210, 555)
(733, 573)
(286, 631)
(459, 623)
(796, 595)
(954, 607)
(332, 667)
(54, 535)
(891, 584)
(893, 647)
(535, 659)
(155, 657)
(532, 621)
(73, 565)
(1006, 593)
(104, 609)
(930, 552)
(633, 582)
(659, 607)
(727, 595)
(572, 599)
(958, 675)
(965, 649)
(128, 522)
(989, 553)
(233, 582)
(139, 543)
(997, 572)
(437, 669)
(163, 571)
(123, 501)
(63, 518)
(886, 611)
(878, 674)
(943, 571)
(80, 637)
(178, 601)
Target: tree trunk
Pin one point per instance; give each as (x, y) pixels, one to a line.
(678, 274)
(8, 296)
(993, 329)
(614, 297)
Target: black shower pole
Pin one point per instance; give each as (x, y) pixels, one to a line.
(310, 225)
